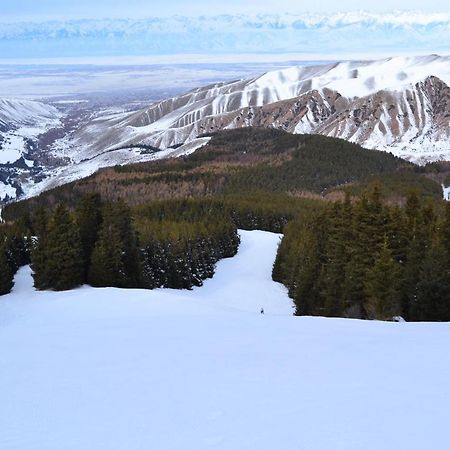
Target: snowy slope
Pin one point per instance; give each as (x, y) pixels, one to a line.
(396, 104)
(400, 105)
(19, 112)
(119, 369)
(21, 123)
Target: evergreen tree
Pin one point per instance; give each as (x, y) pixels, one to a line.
(340, 234)
(6, 273)
(432, 300)
(116, 260)
(107, 268)
(381, 288)
(39, 222)
(57, 259)
(89, 218)
(444, 233)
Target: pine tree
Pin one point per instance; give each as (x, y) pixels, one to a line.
(107, 268)
(116, 259)
(306, 271)
(382, 287)
(57, 259)
(39, 222)
(340, 237)
(444, 233)
(89, 218)
(6, 273)
(432, 301)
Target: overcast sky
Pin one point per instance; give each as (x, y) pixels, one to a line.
(16, 10)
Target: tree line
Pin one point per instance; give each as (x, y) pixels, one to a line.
(14, 244)
(367, 260)
(100, 243)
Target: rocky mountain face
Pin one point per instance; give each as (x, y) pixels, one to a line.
(400, 105)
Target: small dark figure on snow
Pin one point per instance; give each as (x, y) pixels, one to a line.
(262, 310)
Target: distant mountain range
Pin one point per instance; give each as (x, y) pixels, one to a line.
(330, 34)
(400, 105)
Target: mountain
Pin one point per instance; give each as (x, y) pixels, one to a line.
(21, 123)
(16, 113)
(251, 167)
(398, 104)
(306, 34)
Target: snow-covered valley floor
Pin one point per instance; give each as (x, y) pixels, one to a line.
(110, 369)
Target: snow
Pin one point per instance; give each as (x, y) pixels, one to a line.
(446, 192)
(6, 190)
(24, 120)
(132, 369)
(357, 78)
(351, 32)
(12, 148)
(181, 119)
(15, 111)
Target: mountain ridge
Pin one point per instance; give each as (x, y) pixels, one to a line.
(398, 104)
(339, 100)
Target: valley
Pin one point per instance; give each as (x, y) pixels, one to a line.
(398, 105)
(224, 225)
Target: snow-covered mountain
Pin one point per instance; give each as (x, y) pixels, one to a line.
(399, 104)
(21, 123)
(16, 113)
(336, 33)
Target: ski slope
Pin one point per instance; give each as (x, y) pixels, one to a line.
(111, 369)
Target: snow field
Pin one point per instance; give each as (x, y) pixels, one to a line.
(203, 369)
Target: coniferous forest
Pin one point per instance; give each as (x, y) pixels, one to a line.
(99, 243)
(366, 234)
(367, 260)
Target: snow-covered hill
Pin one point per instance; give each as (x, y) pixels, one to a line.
(130, 369)
(400, 105)
(21, 122)
(397, 104)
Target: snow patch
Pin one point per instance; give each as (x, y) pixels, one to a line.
(6, 190)
(446, 192)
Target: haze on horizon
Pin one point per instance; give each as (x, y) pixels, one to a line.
(142, 32)
(30, 10)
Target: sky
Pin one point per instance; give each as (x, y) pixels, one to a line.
(32, 10)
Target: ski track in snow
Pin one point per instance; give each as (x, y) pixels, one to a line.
(132, 369)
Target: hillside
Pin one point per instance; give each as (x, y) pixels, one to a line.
(182, 216)
(21, 123)
(396, 104)
(114, 369)
(249, 162)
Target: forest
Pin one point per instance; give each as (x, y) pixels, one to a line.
(101, 244)
(363, 259)
(365, 233)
